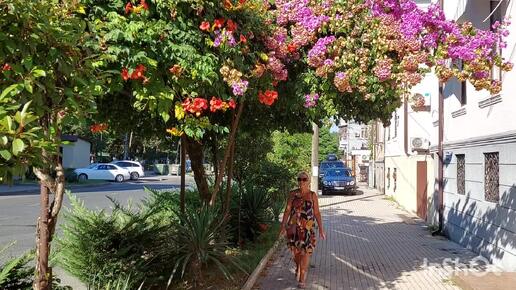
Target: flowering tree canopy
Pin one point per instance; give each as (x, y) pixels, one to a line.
(360, 57)
(190, 62)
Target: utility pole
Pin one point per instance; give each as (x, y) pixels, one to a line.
(315, 158)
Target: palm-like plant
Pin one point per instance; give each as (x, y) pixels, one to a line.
(199, 244)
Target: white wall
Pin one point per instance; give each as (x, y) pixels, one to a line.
(76, 154)
(480, 121)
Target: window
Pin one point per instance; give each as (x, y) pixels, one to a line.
(461, 174)
(396, 123)
(491, 177)
(496, 15)
(388, 177)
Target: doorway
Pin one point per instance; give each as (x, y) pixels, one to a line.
(422, 189)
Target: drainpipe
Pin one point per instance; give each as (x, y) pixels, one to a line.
(440, 153)
(405, 125)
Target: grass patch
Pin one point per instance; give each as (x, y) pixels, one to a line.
(87, 182)
(252, 255)
(390, 198)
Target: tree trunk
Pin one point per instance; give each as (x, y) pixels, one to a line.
(215, 157)
(183, 173)
(227, 200)
(196, 153)
(231, 140)
(42, 243)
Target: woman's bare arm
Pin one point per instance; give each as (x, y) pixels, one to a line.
(286, 213)
(317, 214)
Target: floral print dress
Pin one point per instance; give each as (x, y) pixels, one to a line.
(302, 215)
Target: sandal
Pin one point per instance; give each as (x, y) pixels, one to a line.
(301, 285)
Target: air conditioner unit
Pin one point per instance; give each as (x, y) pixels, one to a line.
(418, 143)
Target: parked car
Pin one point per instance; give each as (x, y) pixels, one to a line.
(103, 171)
(338, 180)
(326, 165)
(331, 157)
(134, 167)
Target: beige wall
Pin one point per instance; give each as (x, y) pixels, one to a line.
(406, 194)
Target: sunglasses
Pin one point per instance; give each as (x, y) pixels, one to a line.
(302, 179)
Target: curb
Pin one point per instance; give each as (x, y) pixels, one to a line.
(254, 276)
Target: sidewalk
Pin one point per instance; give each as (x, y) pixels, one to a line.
(372, 244)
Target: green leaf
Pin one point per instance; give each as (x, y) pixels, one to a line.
(18, 146)
(5, 154)
(39, 73)
(165, 116)
(28, 86)
(10, 89)
(4, 140)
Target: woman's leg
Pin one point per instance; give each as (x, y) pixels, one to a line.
(297, 259)
(305, 261)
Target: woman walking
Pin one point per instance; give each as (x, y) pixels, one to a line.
(301, 213)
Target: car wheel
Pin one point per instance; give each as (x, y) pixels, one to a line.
(83, 177)
(119, 178)
(135, 175)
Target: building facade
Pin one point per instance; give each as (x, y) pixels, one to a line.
(76, 152)
(354, 143)
(479, 146)
(408, 164)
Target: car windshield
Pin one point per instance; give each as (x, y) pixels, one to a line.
(338, 172)
(326, 165)
(92, 166)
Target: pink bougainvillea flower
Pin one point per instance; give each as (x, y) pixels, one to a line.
(242, 1)
(6, 67)
(231, 25)
(128, 7)
(125, 74)
(205, 26)
(243, 39)
(218, 23)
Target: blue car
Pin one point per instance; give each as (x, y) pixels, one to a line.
(327, 165)
(338, 180)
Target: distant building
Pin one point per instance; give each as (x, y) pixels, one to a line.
(354, 143)
(76, 153)
(377, 161)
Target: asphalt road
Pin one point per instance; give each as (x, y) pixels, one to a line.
(19, 211)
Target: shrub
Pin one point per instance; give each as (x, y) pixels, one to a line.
(17, 274)
(199, 244)
(250, 211)
(70, 175)
(98, 247)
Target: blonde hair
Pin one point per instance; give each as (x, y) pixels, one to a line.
(303, 173)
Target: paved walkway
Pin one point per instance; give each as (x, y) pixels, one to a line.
(372, 244)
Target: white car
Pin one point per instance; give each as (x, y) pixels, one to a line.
(134, 168)
(103, 171)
